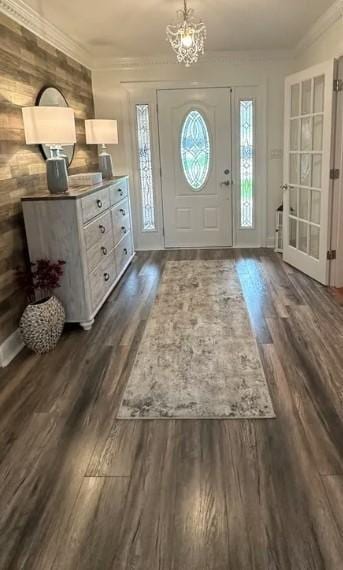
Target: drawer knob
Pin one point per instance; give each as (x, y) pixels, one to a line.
(125, 250)
(106, 276)
(99, 203)
(102, 228)
(123, 229)
(122, 211)
(104, 250)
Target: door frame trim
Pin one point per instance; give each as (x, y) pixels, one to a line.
(136, 92)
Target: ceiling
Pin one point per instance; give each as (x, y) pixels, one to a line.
(131, 28)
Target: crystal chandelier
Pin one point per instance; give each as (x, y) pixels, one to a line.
(187, 36)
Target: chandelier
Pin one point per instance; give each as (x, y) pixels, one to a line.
(187, 36)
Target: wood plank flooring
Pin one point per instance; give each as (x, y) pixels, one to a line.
(82, 490)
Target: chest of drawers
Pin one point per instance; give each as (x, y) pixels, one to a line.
(91, 229)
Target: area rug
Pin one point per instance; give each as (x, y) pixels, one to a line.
(198, 357)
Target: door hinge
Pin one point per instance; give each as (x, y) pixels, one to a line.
(338, 85)
(334, 173)
(331, 255)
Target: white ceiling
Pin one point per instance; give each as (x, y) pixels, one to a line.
(130, 28)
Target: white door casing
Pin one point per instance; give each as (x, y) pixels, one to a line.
(309, 97)
(200, 217)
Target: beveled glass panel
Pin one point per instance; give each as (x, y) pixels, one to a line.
(302, 243)
(306, 92)
(295, 100)
(294, 134)
(145, 167)
(293, 201)
(315, 206)
(318, 123)
(314, 241)
(317, 171)
(305, 169)
(247, 167)
(292, 232)
(318, 94)
(195, 150)
(294, 169)
(303, 203)
(306, 134)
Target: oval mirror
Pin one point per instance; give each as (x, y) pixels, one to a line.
(52, 97)
(195, 150)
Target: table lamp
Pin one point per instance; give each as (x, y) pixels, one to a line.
(102, 131)
(53, 126)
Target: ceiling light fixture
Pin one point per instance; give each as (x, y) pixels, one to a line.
(187, 36)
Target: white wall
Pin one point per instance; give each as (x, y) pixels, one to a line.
(111, 87)
(328, 45)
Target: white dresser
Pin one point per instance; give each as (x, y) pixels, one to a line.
(90, 229)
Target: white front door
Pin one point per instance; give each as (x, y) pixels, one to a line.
(307, 160)
(195, 148)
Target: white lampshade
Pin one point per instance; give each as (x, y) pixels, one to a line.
(49, 125)
(101, 131)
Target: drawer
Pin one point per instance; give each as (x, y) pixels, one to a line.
(95, 203)
(99, 252)
(121, 220)
(119, 190)
(123, 252)
(102, 278)
(98, 230)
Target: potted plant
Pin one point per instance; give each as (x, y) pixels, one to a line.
(42, 321)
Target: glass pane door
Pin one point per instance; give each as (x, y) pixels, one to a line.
(308, 116)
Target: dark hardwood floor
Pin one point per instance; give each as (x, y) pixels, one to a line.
(81, 490)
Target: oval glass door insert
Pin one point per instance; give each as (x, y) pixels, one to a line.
(195, 150)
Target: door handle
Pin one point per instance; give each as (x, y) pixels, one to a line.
(286, 187)
(226, 183)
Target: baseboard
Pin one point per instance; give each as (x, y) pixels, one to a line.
(10, 348)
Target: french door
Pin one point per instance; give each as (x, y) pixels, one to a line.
(195, 150)
(309, 99)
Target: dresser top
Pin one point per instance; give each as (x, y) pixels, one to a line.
(73, 193)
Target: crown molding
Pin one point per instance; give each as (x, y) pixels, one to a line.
(33, 21)
(233, 57)
(330, 17)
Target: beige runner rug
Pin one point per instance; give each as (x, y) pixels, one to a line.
(198, 357)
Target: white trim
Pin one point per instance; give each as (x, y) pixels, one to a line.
(21, 13)
(10, 348)
(210, 57)
(332, 15)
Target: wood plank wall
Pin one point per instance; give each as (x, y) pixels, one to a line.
(27, 63)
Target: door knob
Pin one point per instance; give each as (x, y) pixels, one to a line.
(226, 171)
(226, 183)
(284, 187)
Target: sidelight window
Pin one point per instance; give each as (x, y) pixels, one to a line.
(145, 167)
(247, 163)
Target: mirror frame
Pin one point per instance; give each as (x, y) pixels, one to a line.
(37, 104)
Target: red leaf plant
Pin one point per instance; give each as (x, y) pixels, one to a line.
(41, 279)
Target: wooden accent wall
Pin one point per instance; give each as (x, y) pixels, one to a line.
(27, 63)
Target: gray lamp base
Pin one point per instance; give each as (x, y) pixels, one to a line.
(57, 175)
(105, 165)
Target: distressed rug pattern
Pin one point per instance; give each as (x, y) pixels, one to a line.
(198, 357)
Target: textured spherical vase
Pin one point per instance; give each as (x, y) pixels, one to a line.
(41, 324)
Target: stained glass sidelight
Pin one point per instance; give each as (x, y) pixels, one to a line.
(145, 168)
(195, 150)
(247, 167)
